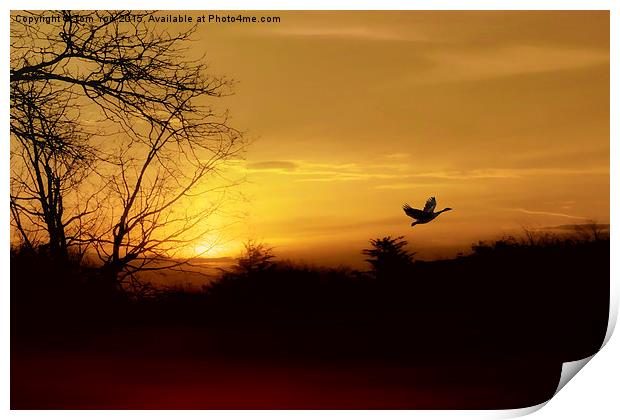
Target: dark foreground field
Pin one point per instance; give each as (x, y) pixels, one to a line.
(484, 331)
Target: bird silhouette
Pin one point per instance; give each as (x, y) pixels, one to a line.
(426, 215)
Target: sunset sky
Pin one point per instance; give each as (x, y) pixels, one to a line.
(503, 116)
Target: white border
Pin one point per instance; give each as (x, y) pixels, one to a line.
(592, 394)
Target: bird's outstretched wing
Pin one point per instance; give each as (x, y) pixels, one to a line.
(411, 212)
(430, 205)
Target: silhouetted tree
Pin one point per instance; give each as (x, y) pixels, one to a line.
(590, 231)
(257, 258)
(159, 138)
(50, 158)
(160, 196)
(388, 256)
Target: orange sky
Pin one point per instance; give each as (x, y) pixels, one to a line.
(503, 116)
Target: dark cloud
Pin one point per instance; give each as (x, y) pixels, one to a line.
(273, 164)
(579, 226)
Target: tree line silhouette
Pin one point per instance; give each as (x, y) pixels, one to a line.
(521, 306)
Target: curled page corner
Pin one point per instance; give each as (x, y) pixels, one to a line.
(520, 412)
(613, 311)
(569, 370)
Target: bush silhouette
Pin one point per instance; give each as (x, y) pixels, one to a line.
(388, 256)
(258, 257)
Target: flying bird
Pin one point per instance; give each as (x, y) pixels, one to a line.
(426, 215)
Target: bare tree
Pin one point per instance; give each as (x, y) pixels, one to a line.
(160, 138)
(590, 231)
(49, 159)
(257, 257)
(116, 60)
(157, 181)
